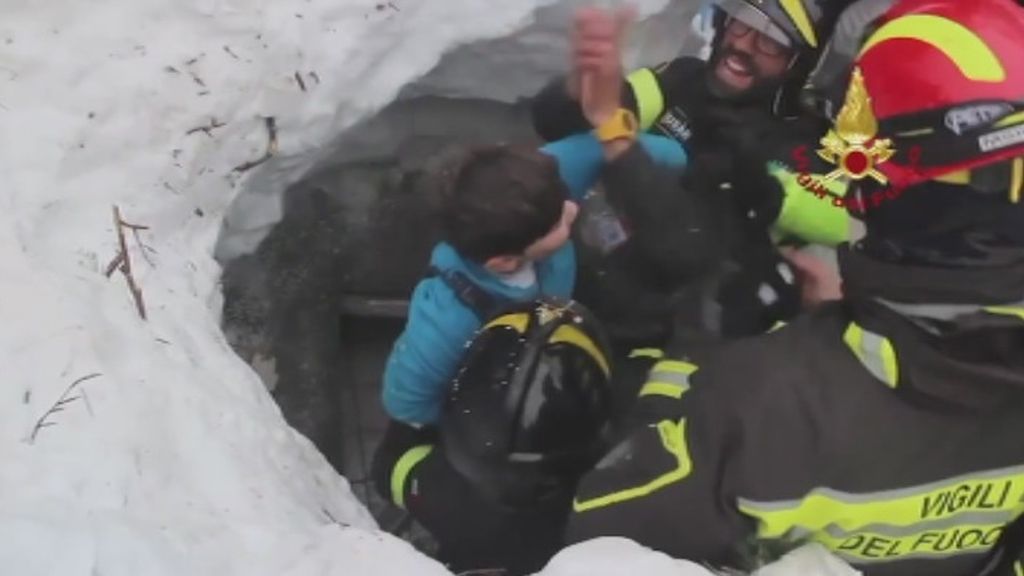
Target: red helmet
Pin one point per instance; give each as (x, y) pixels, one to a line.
(943, 83)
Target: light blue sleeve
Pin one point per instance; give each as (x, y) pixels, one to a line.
(425, 357)
(580, 158)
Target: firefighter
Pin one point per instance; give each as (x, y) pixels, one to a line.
(889, 426)
(526, 415)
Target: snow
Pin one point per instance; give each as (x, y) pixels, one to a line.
(172, 458)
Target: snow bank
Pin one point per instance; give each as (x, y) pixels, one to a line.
(615, 557)
(172, 458)
(131, 446)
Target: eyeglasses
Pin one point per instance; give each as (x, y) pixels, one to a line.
(762, 42)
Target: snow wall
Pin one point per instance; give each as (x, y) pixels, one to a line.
(146, 446)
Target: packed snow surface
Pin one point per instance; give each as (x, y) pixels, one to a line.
(136, 446)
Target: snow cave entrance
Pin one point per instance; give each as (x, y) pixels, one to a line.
(316, 307)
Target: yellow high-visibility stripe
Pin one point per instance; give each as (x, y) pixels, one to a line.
(798, 14)
(647, 353)
(573, 335)
(669, 378)
(968, 51)
(1018, 568)
(650, 102)
(1006, 310)
(670, 389)
(403, 467)
(673, 439)
(875, 352)
(995, 495)
(517, 322)
(1015, 118)
(1016, 179)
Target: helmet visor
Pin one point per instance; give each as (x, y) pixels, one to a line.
(755, 19)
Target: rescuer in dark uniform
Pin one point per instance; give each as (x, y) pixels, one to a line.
(889, 426)
(731, 114)
(525, 417)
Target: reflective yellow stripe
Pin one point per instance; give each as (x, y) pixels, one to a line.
(647, 353)
(1010, 120)
(954, 515)
(875, 352)
(779, 324)
(1018, 569)
(673, 439)
(1007, 310)
(670, 389)
(1016, 179)
(798, 14)
(650, 102)
(403, 467)
(958, 177)
(517, 321)
(573, 335)
(963, 47)
(669, 378)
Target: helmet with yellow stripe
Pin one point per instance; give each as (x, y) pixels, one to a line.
(529, 409)
(946, 84)
(936, 100)
(799, 28)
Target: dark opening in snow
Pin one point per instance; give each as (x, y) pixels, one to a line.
(317, 306)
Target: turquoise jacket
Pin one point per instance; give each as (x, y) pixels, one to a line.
(425, 357)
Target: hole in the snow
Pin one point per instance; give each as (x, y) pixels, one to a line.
(317, 305)
(316, 308)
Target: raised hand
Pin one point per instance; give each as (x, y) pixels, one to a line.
(597, 60)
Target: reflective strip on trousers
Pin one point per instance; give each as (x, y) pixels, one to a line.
(875, 352)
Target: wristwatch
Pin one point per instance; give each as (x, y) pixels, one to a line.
(620, 125)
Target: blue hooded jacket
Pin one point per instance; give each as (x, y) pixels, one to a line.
(425, 357)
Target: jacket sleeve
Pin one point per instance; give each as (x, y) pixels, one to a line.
(675, 230)
(426, 355)
(667, 484)
(557, 115)
(580, 158)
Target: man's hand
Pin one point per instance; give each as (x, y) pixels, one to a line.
(597, 61)
(819, 282)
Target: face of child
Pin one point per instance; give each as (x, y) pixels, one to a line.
(556, 238)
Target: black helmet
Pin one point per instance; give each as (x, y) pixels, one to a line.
(804, 26)
(529, 409)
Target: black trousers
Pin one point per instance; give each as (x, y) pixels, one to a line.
(472, 532)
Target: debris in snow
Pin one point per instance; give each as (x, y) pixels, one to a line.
(271, 124)
(208, 129)
(58, 406)
(123, 260)
(298, 78)
(230, 53)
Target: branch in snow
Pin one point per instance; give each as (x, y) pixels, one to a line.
(271, 124)
(208, 129)
(298, 78)
(123, 261)
(63, 400)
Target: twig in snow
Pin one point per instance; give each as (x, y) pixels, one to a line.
(63, 400)
(123, 261)
(298, 78)
(315, 76)
(271, 124)
(197, 79)
(230, 53)
(208, 129)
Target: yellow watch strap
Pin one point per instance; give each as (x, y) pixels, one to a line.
(621, 124)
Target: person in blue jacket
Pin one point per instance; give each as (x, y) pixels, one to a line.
(506, 217)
